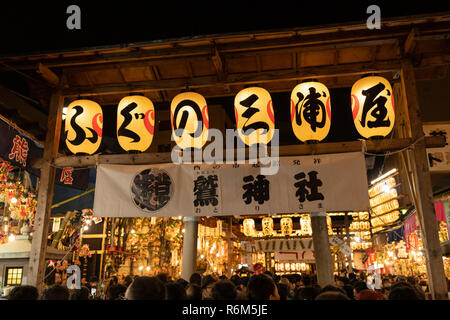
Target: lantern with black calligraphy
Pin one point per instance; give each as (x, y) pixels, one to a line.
(190, 120)
(249, 227)
(373, 107)
(255, 120)
(287, 226)
(267, 226)
(83, 127)
(305, 223)
(310, 111)
(135, 123)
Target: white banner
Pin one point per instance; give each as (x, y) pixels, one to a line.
(333, 182)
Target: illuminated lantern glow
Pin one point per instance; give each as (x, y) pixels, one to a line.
(249, 227)
(267, 226)
(373, 107)
(190, 120)
(305, 223)
(255, 120)
(287, 226)
(310, 111)
(135, 123)
(83, 127)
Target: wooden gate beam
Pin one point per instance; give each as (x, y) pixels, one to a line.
(424, 191)
(37, 265)
(377, 146)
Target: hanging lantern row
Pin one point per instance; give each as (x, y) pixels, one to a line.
(372, 106)
(286, 226)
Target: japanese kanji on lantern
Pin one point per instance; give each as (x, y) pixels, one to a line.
(373, 106)
(287, 226)
(249, 227)
(190, 120)
(267, 226)
(255, 120)
(135, 123)
(83, 126)
(310, 111)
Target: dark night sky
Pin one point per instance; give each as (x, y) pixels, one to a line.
(41, 26)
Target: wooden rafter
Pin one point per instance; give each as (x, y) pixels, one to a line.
(292, 150)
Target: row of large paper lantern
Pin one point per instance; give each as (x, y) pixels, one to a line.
(286, 226)
(371, 101)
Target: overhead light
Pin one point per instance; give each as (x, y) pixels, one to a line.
(13, 200)
(11, 238)
(202, 257)
(141, 268)
(357, 239)
(148, 268)
(387, 174)
(132, 231)
(86, 227)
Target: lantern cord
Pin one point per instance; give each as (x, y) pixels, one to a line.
(393, 152)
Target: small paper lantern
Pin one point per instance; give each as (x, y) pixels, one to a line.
(249, 227)
(190, 120)
(310, 111)
(305, 223)
(373, 107)
(286, 226)
(83, 127)
(255, 120)
(267, 226)
(329, 224)
(135, 123)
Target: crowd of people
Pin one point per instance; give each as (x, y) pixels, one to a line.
(264, 286)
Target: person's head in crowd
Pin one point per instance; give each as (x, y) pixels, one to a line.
(341, 281)
(194, 292)
(411, 280)
(307, 292)
(368, 294)
(80, 294)
(269, 274)
(403, 292)
(146, 288)
(424, 286)
(24, 292)
(196, 278)
(262, 287)
(358, 287)
(163, 277)
(175, 291)
(332, 288)
(113, 281)
(236, 281)
(224, 290)
(223, 277)
(283, 291)
(116, 292)
(349, 291)
(93, 281)
(332, 295)
(182, 283)
(351, 276)
(305, 280)
(57, 292)
(207, 286)
(127, 281)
